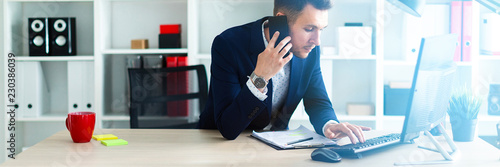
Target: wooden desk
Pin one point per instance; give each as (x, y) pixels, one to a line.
(208, 148)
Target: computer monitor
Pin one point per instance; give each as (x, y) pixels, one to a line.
(431, 90)
(431, 87)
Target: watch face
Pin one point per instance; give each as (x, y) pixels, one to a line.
(260, 83)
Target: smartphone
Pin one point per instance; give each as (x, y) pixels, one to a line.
(279, 23)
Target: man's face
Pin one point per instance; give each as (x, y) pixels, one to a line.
(306, 30)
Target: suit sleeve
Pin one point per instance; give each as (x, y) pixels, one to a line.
(316, 101)
(234, 104)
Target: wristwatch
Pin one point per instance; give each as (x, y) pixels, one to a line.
(258, 81)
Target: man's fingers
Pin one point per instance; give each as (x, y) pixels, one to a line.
(282, 44)
(285, 50)
(339, 135)
(272, 42)
(358, 132)
(354, 132)
(328, 133)
(288, 58)
(364, 128)
(349, 133)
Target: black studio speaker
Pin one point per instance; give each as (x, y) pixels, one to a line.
(62, 36)
(494, 100)
(38, 36)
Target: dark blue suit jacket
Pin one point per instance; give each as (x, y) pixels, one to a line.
(232, 108)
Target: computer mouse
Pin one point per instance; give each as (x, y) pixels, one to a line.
(325, 155)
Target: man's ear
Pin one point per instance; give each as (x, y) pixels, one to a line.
(280, 14)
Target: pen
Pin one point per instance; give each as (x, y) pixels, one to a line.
(309, 145)
(300, 140)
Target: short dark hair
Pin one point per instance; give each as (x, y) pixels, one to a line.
(292, 8)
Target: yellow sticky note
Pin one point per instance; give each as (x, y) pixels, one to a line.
(104, 137)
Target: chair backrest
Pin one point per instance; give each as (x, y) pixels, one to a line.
(161, 94)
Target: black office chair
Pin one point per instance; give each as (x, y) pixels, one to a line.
(150, 96)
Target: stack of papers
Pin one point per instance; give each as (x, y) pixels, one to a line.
(298, 138)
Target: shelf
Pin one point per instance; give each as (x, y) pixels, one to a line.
(146, 51)
(412, 63)
(464, 64)
(116, 118)
(204, 56)
(43, 119)
(399, 63)
(337, 57)
(55, 58)
(489, 57)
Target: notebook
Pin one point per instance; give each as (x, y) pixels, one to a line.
(293, 139)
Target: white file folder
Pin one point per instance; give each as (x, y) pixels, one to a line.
(32, 93)
(490, 36)
(355, 41)
(435, 20)
(80, 86)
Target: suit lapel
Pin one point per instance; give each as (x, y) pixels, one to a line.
(295, 75)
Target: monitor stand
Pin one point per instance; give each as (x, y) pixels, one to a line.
(447, 155)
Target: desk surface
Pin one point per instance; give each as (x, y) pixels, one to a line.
(208, 148)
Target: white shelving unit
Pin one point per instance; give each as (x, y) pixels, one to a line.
(477, 73)
(105, 28)
(14, 39)
(390, 63)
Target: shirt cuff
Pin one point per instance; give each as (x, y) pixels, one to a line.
(329, 122)
(256, 92)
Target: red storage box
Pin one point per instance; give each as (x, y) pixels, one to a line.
(170, 29)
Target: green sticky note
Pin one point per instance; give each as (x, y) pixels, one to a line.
(114, 142)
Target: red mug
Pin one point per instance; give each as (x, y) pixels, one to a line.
(81, 126)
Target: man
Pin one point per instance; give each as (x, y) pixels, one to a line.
(253, 86)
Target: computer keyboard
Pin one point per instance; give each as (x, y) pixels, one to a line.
(370, 144)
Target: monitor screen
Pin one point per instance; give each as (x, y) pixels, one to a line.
(431, 86)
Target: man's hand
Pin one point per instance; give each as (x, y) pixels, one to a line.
(271, 60)
(340, 130)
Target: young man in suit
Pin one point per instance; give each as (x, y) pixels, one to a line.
(253, 86)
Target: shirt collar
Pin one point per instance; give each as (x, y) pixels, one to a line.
(264, 34)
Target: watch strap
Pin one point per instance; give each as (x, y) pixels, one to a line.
(255, 78)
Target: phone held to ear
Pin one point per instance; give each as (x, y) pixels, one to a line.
(279, 23)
